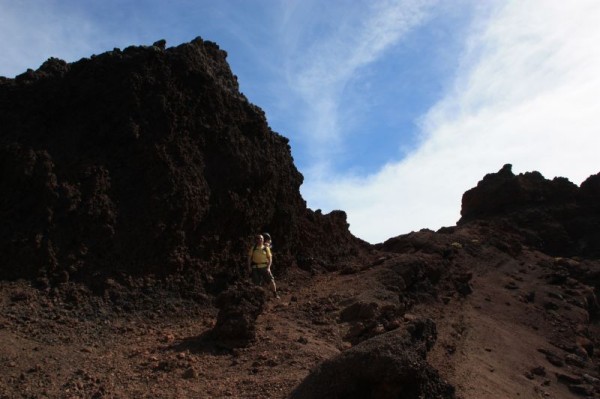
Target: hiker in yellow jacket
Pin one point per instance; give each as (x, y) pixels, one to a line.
(259, 263)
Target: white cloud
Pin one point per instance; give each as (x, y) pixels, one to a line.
(319, 71)
(527, 93)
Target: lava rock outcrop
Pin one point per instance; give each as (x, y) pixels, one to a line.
(239, 307)
(147, 160)
(555, 215)
(388, 366)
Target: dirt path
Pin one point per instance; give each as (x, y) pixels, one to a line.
(489, 342)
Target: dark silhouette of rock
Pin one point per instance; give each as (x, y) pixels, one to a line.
(554, 215)
(388, 366)
(239, 306)
(148, 160)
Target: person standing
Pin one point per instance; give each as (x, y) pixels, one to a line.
(259, 263)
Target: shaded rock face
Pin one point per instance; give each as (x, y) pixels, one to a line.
(388, 366)
(147, 160)
(239, 307)
(555, 215)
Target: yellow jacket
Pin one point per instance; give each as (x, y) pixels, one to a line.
(260, 255)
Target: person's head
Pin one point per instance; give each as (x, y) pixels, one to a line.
(267, 237)
(260, 239)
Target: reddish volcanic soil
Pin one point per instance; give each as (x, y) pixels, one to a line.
(523, 332)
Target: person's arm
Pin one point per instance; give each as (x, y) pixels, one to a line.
(269, 259)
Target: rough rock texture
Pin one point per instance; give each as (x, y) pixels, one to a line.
(389, 366)
(239, 307)
(148, 160)
(554, 215)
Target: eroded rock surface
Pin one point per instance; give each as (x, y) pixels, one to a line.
(388, 366)
(149, 160)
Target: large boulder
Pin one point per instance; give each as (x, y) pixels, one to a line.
(239, 307)
(388, 366)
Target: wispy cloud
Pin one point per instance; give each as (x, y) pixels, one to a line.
(324, 64)
(527, 93)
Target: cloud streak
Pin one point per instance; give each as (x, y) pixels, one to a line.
(527, 93)
(322, 68)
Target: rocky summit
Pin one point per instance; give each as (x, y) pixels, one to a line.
(131, 186)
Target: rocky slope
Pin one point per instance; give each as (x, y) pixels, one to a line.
(131, 184)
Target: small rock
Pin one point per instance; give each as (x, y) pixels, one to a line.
(168, 338)
(568, 379)
(409, 317)
(591, 380)
(556, 295)
(539, 370)
(190, 373)
(575, 360)
(530, 297)
(528, 375)
(160, 44)
(392, 325)
(584, 390)
(552, 357)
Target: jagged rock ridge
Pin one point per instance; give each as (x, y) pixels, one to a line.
(148, 161)
(555, 215)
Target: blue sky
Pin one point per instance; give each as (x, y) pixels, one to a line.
(393, 108)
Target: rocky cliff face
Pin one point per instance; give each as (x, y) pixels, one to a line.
(148, 161)
(555, 215)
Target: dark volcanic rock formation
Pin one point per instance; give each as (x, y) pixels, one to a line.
(388, 366)
(555, 215)
(239, 306)
(147, 160)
